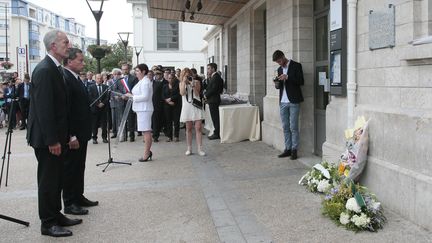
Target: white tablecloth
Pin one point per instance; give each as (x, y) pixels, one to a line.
(237, 123)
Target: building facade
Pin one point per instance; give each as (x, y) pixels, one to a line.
(389, 84)
(28, 24)
(170, 43)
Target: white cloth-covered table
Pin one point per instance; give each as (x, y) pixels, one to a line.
(239, 122)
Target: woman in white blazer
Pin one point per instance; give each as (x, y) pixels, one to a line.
(142, 94)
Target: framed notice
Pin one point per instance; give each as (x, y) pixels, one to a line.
(335, 68)
(335, 14)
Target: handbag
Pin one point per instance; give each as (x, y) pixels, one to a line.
(196, 103)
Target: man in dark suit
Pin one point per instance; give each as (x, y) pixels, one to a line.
(158, 113)
(24, 99)
(288, 81)
(131, 81)
(80, 132)
(213, 91)
(100, 108)
(89, 79)
(48, 134)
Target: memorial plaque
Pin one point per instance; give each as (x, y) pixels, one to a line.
(382, 28)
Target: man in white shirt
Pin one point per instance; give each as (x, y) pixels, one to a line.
(288, 80)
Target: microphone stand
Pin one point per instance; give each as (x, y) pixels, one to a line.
(110, 159)
(8, 147)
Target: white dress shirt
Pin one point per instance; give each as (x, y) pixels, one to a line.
(284, 98)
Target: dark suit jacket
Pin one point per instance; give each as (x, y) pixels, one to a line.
(21, 90)
(48, 115)
(174, 93)
(94, 94)
(157, 94)
(293, 83)
(80, 114)
(131, 81)
(214, 89)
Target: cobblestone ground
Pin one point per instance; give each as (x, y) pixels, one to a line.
(237, 193)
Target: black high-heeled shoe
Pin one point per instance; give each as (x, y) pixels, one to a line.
(149, 158)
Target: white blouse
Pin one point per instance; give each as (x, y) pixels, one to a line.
(142, 95)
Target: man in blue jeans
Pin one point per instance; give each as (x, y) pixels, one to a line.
(288, 80)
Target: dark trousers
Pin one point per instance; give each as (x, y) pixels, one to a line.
(99, 120)
(50, 179)
(73, 178)
(24, 107)
(110, 121)
(172, 116)
(12, 111)
(157, 121)
(131, 123)
(214, 112)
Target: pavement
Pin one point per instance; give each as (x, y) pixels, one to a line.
(237, 193)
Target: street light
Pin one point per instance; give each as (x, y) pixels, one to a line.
(137, 53)
(97, 14)
(7, 27)
(124, 37)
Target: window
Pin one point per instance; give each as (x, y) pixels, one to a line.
(167, 35)
(3, 40)
(422, 18)
(2, 24)
(32, 13)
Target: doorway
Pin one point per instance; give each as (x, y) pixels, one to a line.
(321, 68)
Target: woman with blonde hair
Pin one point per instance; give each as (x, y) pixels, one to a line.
(142, 94)
(192, 110)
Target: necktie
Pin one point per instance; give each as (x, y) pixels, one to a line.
(99, 90)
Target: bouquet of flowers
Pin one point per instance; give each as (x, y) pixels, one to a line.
(321, 178)
(354, 207)
(354, 159)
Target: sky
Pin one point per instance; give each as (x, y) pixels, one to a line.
(117, 16)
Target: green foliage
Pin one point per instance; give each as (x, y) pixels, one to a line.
(114, 59)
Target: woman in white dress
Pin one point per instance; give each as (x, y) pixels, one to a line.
(190, 114)
(142, 94)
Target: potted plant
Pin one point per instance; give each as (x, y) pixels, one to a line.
(99, 52)
(6, 65)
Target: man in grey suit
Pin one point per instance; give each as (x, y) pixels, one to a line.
(117, 104)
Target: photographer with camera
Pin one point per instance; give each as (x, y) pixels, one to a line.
(288, 80)
(192, 109)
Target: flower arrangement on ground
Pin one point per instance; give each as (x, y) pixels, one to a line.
(321, 178)
(354, 207)
(353, 160)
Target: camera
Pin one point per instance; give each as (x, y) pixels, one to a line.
(190, 78)
(276, 79)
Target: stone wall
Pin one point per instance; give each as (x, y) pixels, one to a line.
(395, 91)
(290, 29)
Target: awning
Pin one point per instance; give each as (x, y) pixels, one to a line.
(214, 12)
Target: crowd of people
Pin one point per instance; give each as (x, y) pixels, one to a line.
(67, 108)
(14, 101)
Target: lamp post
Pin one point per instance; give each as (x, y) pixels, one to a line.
(7, 27)
(97, 14)
(137, 52)
(124, 37)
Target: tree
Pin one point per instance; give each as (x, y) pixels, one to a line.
(111, 60)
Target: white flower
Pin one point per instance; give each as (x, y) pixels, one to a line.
(360, 221)
(323, 185)
(344, 218)
(376, 206)
(352, 205)
(315, 181)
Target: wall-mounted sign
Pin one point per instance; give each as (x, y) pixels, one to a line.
(22, 61)
(335, 14)
(382, 28)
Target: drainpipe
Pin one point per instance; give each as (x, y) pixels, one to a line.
(352, 60)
